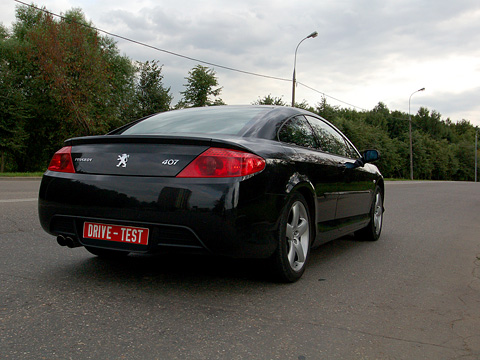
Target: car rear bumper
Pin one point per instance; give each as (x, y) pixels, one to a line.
(231, 217)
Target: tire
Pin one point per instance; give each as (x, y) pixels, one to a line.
(294, 240)
(373, 230)
(107, 253)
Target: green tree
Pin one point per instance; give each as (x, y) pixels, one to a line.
(121, 79)
(12, 113)
(200, 88)
(326, 111)
(269, 100)
(366, 136)
(397, 125)
(150, 94)
(70, 82)
(465, 154)
(304, 105)
(72, 59)
(378, 116)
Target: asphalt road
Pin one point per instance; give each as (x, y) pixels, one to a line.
(414, 294)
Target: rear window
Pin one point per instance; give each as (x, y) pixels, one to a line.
(210, 120)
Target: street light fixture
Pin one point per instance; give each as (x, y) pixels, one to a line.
(312, 35)
(410, 133)
(476, 151)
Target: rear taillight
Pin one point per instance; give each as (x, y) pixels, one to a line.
(218, 163)
(62, 161)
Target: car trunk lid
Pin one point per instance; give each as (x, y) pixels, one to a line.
(138, 156)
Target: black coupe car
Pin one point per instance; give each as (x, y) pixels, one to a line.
(240, 181)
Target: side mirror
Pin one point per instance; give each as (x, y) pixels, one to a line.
(367, 156)
(370, 156)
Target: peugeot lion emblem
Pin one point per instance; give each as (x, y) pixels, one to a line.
(122, 160)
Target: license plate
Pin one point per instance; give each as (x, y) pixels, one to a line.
(123, 234)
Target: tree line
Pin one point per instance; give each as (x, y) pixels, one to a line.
(60, 78)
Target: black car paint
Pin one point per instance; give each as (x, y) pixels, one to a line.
(235, 217)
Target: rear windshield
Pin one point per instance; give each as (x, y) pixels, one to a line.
(210, 120)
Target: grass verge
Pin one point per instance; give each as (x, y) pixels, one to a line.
(19, 174)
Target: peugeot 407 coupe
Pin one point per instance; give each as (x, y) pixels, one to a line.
(238, 181)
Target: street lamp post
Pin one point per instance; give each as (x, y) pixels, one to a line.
(410, 133)
(312, 35)
(476, 150)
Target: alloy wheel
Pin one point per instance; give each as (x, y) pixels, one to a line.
(298, 236)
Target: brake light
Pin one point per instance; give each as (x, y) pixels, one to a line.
(218, 163)
(62, 161)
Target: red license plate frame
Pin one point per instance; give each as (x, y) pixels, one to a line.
(117, 233)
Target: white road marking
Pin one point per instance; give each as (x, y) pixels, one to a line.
(18, 200)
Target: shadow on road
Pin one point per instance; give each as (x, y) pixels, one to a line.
(173, 270)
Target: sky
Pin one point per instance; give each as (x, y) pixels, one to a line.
(366, 51)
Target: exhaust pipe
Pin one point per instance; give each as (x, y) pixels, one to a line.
(67, 241)
(61, 240)
(72, 242)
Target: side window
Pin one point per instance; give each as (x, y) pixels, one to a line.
(352, 153)
(331, 140)
(299, 132)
